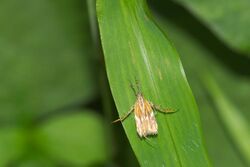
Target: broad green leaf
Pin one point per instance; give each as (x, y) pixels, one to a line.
(74, 139)
(135, 49)
(201, 53)
(12, 144)
(229, 19)
(235, 123)
(45, 61)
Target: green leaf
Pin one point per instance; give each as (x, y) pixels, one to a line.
(234, 122)
(202, 54)
(12, 144)
(45, 61)
(229, 19)
(135, 48)
(76, 139)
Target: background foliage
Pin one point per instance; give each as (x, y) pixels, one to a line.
(55, 101)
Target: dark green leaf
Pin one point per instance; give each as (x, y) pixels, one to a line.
(229, 19)
(236, 124)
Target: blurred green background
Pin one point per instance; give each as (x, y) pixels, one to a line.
(55, 102)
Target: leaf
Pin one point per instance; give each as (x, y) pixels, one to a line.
(228, 19)
(202, 54)
(12, 143)
(74, 139)
(135, 48)
(234, 122)
(45, 61)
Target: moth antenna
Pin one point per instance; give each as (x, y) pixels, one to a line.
(138, 86)
(133, 88)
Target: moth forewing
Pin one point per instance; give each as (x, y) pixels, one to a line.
(144, 117)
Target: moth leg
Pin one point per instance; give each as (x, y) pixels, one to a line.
(163, 110)
(125, 116)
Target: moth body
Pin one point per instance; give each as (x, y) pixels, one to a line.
(146, 124)
(144, 117)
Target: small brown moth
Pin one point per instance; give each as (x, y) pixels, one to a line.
(144, 114)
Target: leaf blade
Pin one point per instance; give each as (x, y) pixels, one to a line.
(143, 53)
(233, 120)
(229, 20)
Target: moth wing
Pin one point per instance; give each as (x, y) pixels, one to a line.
(145, 120)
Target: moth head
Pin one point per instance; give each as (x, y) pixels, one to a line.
(136, 88)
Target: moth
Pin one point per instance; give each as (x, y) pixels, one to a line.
(144, 114)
